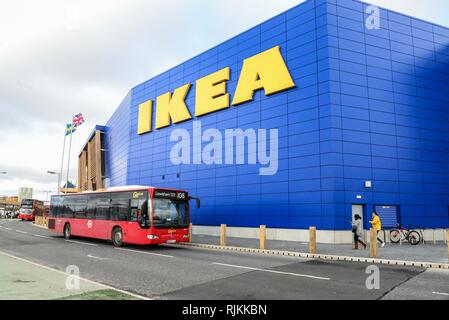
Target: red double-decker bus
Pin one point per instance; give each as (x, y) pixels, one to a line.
(30, 208)
(124, 215)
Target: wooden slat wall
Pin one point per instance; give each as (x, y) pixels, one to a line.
(82, 171)
(99, 174)
(90, 160)
(90, 164)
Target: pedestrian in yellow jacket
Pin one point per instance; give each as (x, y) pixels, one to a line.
(376, 223)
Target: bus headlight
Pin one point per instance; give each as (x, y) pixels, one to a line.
(186, 236)
(152, 237)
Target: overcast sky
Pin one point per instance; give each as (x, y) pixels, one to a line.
(59, 58)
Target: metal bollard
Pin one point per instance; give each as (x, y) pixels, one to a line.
(373, 243)
(223, 235)
(263, 237)
(312, 242)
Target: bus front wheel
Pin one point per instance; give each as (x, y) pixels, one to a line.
(117, 237)
(67, 233)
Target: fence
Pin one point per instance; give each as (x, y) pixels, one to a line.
(41, 221)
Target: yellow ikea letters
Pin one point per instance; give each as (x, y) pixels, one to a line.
(211, 94)
(172, 107)
(145, 117)
(266, 70)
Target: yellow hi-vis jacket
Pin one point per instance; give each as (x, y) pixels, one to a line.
(377, 225)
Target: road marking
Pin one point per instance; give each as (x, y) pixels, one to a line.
(144, 252)
(38, 235)
(96, 258)
(272, 271)
(8, 228)
(19, 231)
(85, 243)
(83, 279)
(441, 293)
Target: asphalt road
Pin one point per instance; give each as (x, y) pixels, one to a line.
(173, 272)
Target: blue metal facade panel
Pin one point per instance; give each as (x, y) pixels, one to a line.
(117, 142)
(369, 105)
(392, 89)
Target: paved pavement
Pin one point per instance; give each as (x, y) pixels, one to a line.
(173, 272)
(22, 280)
(406, 252)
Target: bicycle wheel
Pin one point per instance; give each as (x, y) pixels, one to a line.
(395, 236)
(414, 237)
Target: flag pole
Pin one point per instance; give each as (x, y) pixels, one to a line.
(68, 161)
(62, 162)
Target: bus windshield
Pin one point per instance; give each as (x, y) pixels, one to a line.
(27, 203)
(170, 213)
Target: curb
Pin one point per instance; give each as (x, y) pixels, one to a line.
(38, 226)
(329, 257)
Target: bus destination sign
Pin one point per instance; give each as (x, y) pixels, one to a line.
(172, 195)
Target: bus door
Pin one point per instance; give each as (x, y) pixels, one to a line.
(139, 213)
(98, 218)
(120, 206)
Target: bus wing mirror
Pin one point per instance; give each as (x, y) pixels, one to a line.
(198, 202)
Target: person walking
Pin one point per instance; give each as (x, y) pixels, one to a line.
(357, 232)
(376, 223)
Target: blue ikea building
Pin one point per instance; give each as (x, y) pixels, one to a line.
(365, 127)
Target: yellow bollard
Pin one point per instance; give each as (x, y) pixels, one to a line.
(373, 243)
(312, 242)
(447, 241)
(191, 233)
(263, 237)
(223, 235)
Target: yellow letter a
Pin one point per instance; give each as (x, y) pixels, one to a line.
(267, 71)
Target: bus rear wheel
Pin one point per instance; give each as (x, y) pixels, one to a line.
(67, 232)
(117, 237)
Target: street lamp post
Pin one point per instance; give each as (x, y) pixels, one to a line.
(59, 177)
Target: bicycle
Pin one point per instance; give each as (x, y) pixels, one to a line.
(408, 234)
(420, 229)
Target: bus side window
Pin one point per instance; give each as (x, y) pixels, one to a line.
(69, 207)
(80, 207)
(103, 207)
(120, 202)
(133, 211)
(91, 204)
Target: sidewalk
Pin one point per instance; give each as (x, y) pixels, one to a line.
(21, 280)
(421, 253)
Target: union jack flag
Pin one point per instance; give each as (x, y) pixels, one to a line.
(78, 120)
